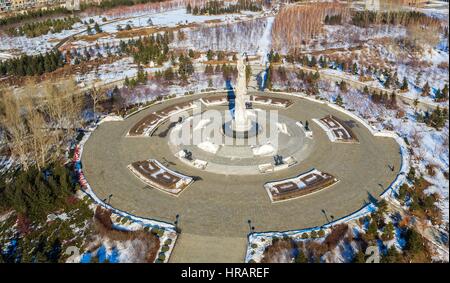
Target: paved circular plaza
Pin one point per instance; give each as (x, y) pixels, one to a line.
(218, 205)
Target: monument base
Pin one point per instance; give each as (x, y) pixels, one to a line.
(252, 131)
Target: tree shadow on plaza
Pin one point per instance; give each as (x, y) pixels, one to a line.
(231, 96)
(351, 124)
(164, 133)
(372, 199)
(197, 178)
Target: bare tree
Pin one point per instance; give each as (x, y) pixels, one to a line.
(13, 122)
(39, 134)
(63, 104)
(38, 124)
(96, 95)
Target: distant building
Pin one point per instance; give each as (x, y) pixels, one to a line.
(73, 4)
(19, 5)
(5, 5)
(377, 4)
(372, 4)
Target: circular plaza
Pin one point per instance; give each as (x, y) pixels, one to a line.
(221, 196)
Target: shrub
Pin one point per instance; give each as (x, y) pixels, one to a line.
(337, 234)
(161, 256)
(158, 232)
(321, 233)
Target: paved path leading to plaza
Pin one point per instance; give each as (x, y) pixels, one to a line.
(215, 249)
(215, 209)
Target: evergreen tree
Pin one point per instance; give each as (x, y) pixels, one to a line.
(343, 86)
(339, 101)
(312, 62)
(301, 257)
(391, 256)
(97, 28)
(426, 90)
(191, 53)
(359, 257)
(209, 55)
(372, 231)
(388, 233)
(268, 83)
(366, 90)
(414, 241)
(404, 86)
(355, 69)
(445, 91)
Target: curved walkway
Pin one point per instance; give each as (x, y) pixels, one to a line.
(214, 210)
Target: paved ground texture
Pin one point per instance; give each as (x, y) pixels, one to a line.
(215, 209)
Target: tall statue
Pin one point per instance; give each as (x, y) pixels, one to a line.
(241, 121)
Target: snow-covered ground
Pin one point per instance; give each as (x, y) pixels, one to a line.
(108, 73)
(243, 36)
(265, 43)
(171, 18)
(36, 45)
(432, 147)
(167, 19)
(436, 76)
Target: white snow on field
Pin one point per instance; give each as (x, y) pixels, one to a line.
(430, 146)
(41, 44)
(240, 37)
(265, 43)
(167, 19)
(35, 45)
(435, 75)
(108, 73)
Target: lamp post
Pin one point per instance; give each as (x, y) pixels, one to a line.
(176, 222)
(249, 225)
(325, 214)
(109, 198)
